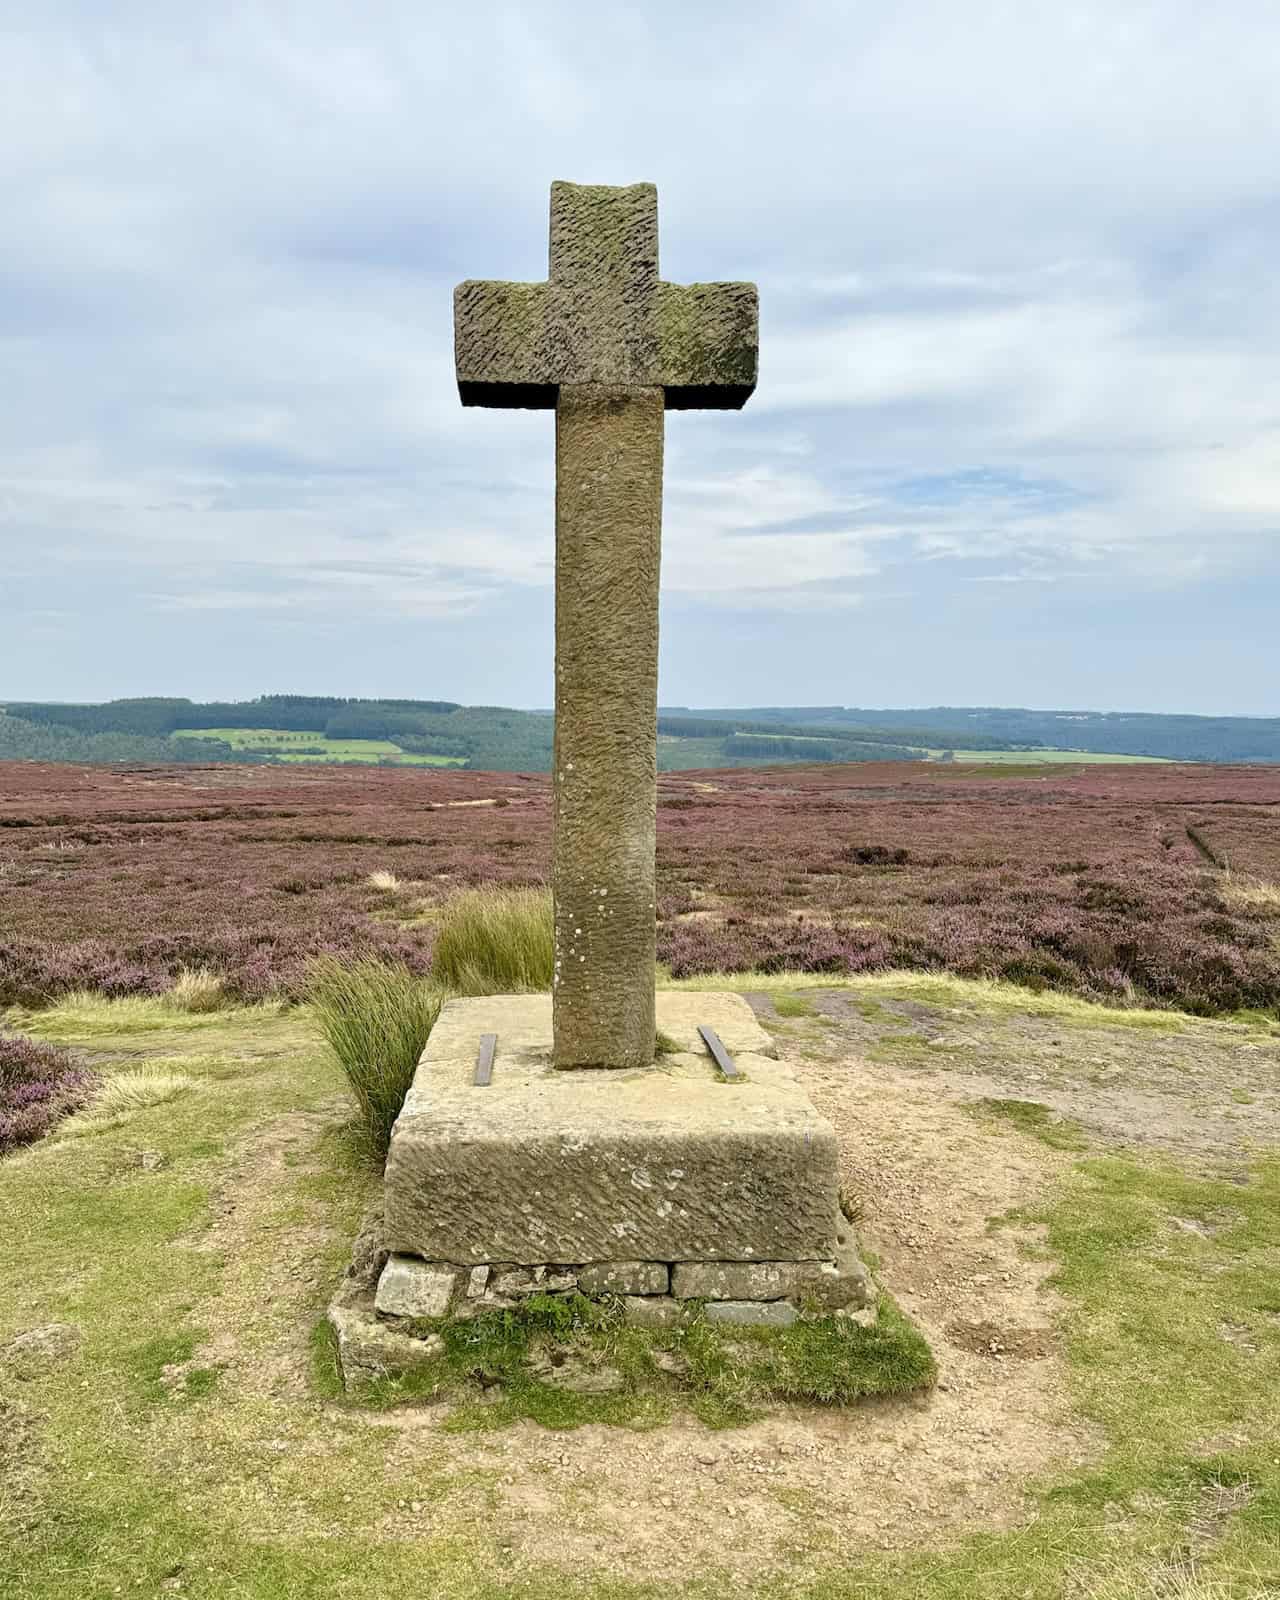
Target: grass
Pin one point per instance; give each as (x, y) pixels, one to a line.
(1036, 1119)
(196, 990)
(236, 1481)
(376, 1018)
(791, 1005)
(1250, 894)
(123, 1094)
(298, 747)
(722, 1378)
(940, 988)
(495, 941)
(86, 1015)
(1046, 758)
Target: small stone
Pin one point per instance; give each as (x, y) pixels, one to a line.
(368, 1348)
(412, 1288)
(752, 1313)
(865, 1317)
(477, 1282)
(625, 1277)
(651, 1311)
(152, 1160)
(517, 1282)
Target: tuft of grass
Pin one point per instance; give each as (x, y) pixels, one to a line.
(384, 882)
(196, 990)
(1250, 894)
(122, 1096)
(376, 1018)
(83, 1016)
(1035, 1118)
(495, 941)
(792, 1005)
(665, 1045)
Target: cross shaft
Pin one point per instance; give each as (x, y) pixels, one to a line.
(610, 346)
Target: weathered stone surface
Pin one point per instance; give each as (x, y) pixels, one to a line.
(835, 1285)
(610, 346)
(733, 1280)
(752, 1313)
(369, 1251)
(651, 1311)
(368, 1348)
(523, 1026)
(409, 1287)
(520, 1282)
(604, 316)
(664, 1163)
(823, 1285)
(608, 530)
(625, 1277)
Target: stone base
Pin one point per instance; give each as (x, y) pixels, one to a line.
(656, 1166)
(770, 1293)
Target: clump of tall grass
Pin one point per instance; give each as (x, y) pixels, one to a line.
(385, 882)
(1251, 894)
(122, 1095)
(494, 940)
(196, 990)
(376, 1018)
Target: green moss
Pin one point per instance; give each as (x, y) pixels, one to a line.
(498, 1367)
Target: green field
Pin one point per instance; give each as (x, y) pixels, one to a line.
(285, 746)
(1037, 758)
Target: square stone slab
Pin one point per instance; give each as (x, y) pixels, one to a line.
(665, 1163)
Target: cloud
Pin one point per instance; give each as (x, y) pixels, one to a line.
(1020, 326)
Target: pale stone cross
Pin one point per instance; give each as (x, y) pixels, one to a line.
(610, 346)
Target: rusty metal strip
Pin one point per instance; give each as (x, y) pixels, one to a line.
(719, 1054)
(484, 1061)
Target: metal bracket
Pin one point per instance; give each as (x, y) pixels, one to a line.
(719, 1054)
(484, 1060)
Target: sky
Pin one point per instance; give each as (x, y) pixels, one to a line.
(1016, 439)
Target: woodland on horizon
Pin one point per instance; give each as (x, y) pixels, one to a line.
(396, 731)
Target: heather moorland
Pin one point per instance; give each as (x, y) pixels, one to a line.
(1148, 884)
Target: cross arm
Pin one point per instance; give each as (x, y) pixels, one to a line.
(708, 344)
(501, 345)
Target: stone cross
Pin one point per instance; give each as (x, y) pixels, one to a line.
(609, 346)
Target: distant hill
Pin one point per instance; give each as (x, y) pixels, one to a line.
(402, 732)
(1134, 733)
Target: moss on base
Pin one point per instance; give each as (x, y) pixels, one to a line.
(565, 1360)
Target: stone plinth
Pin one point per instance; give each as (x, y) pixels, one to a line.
(665, 1163)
